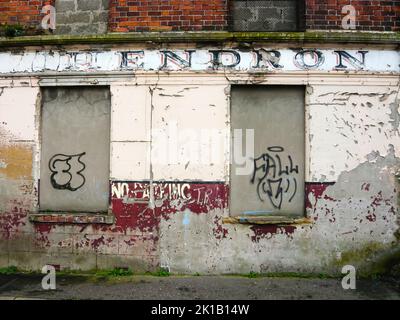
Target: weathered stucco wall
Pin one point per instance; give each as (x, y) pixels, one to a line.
(170, 205)
(351, 196)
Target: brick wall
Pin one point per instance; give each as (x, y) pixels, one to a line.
(372, 15)
(82, 16)
(23, 12)
(168, 15)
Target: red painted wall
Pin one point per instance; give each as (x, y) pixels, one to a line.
(134, 234)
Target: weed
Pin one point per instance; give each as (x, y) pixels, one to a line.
(13, 30)
(253, 275)
(9, 270)
(116, 272)
(162, 273)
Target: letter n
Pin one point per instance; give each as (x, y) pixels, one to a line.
(175, 58)
(347, 57)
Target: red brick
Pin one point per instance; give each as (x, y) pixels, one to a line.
(190, 15)
(187, 15)
(26, 13)
(327, 14)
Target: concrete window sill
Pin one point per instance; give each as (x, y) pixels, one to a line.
(72, 218)
(262, 220)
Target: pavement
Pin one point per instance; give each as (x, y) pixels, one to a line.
(140, 287)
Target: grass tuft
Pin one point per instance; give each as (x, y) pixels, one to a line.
(9, 270)
(252, 275)
(162, 272)
(116, 272)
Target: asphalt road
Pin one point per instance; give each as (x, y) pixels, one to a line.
(194, 288)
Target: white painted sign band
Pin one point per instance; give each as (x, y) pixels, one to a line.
(200, 60)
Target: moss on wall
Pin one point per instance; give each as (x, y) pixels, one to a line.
(372, 259)
(208, 37)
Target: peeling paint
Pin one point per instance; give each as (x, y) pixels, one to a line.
(219, 231)
(17, 162)
(395, 114)
(172, 214)
(314, 191)
(268, 231)
(11, 221)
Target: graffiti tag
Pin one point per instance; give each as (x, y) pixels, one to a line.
(67, 171)
(274, 180)
(185, 192)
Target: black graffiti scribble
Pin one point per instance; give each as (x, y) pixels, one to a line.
(63, 177)
(276, 180)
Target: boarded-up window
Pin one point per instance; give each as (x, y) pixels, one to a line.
(270, 15)
(75, 149)
(275, 183)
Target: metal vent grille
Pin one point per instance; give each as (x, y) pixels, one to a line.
(272, 15)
